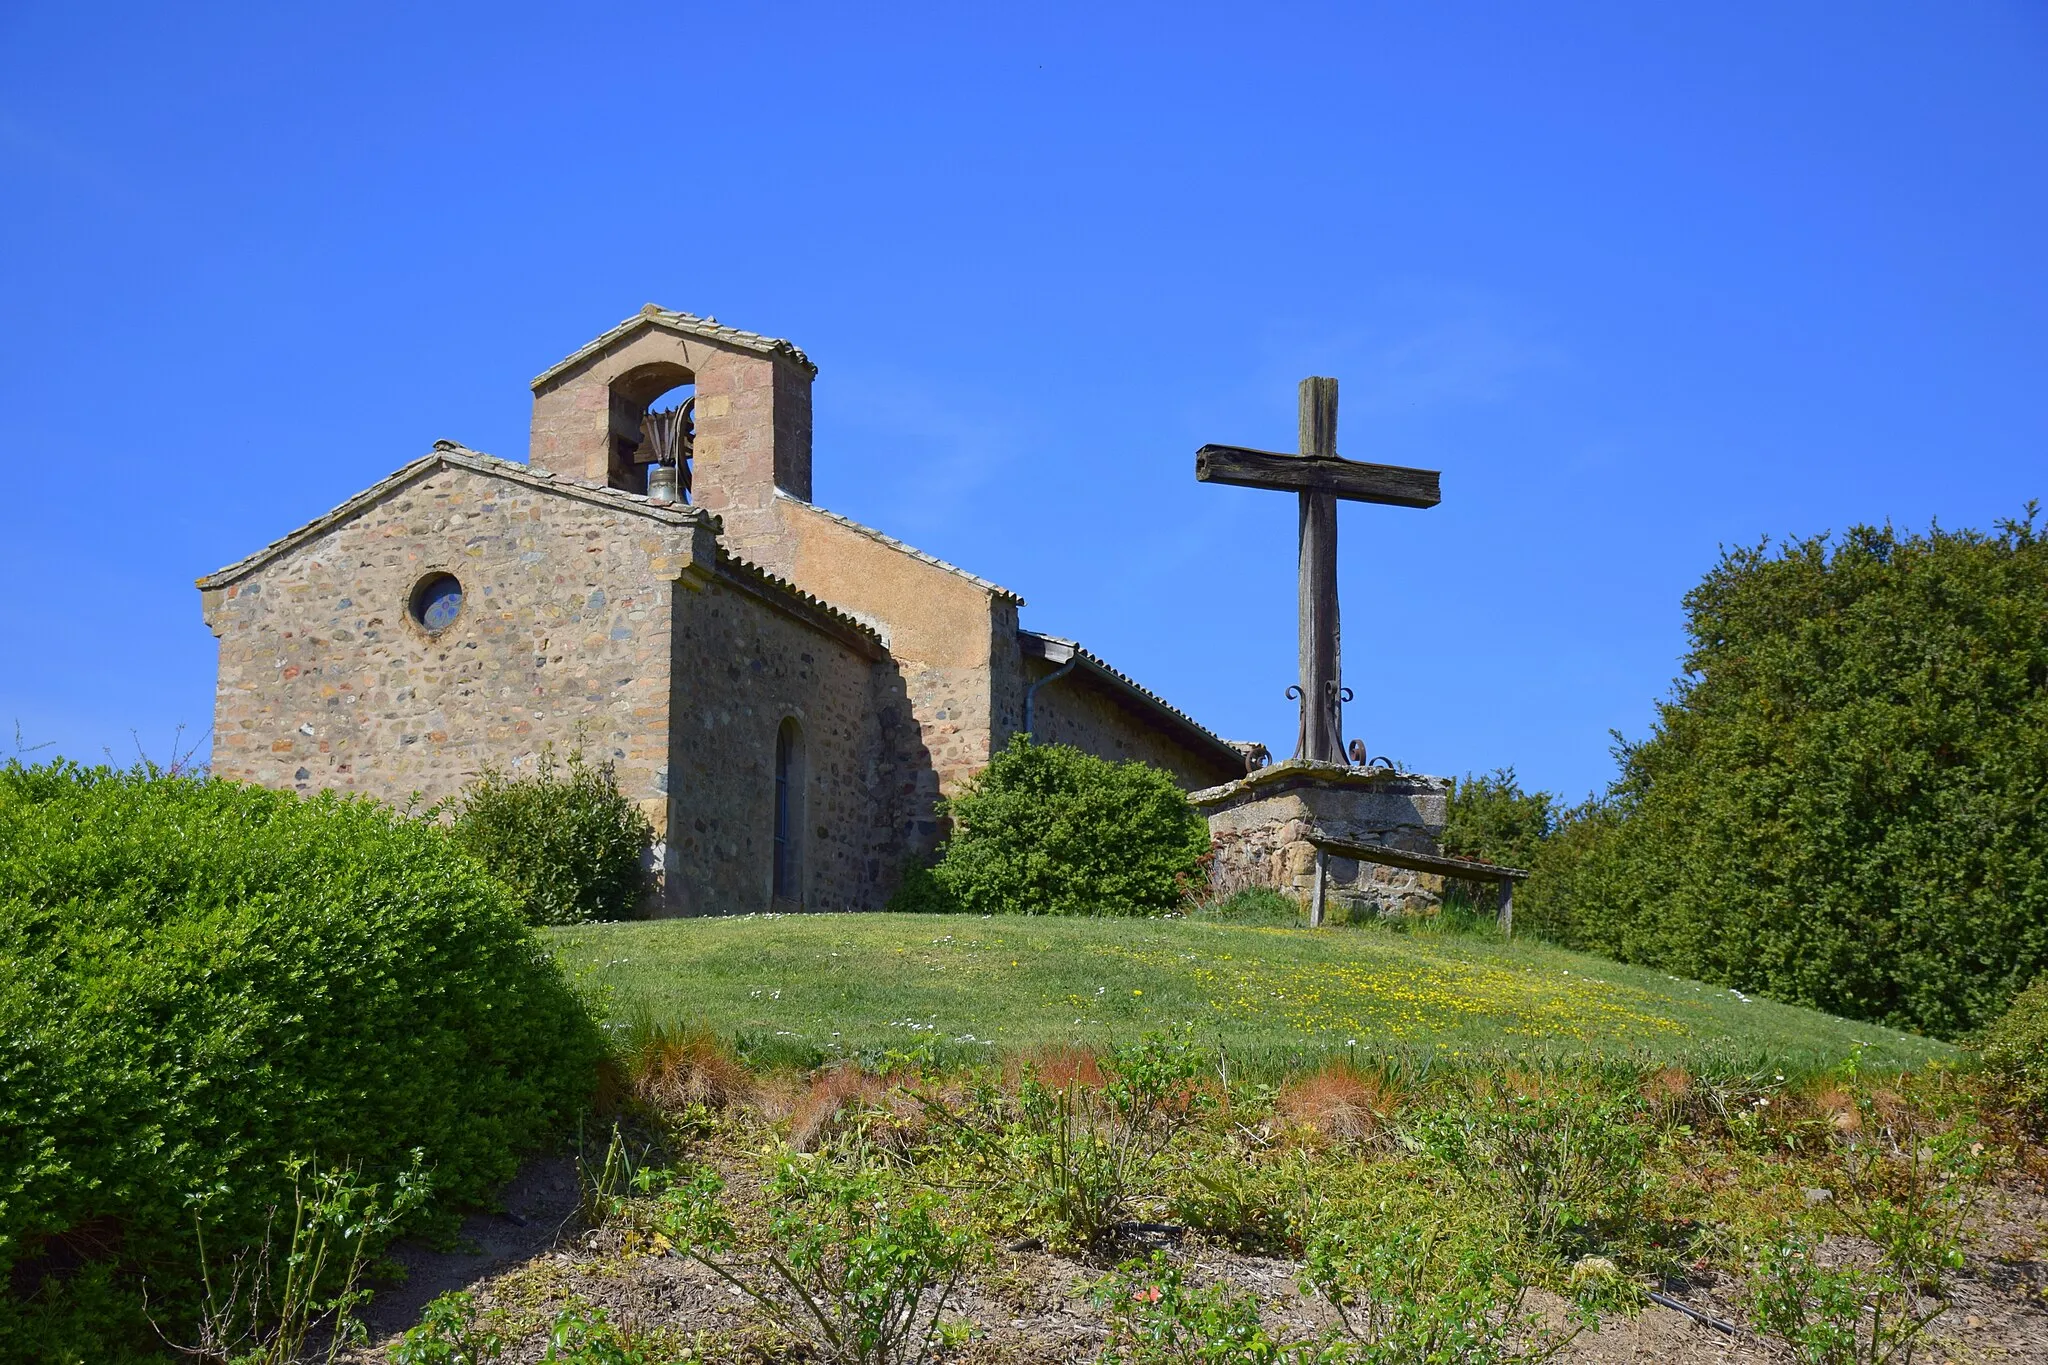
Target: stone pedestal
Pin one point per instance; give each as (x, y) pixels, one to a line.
(1259, 827)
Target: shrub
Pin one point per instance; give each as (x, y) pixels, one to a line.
(1491, 817)
(304, 1277)
(2015, 1050)
(200, 982)
(453, 1330)
(1048, 830)
(570, 846)
(1839, 803)
(1835, 1315)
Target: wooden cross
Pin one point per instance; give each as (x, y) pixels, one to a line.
(1320, 477)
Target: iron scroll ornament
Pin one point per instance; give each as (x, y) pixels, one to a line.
(1339, 695)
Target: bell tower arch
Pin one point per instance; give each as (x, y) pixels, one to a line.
(752, 416)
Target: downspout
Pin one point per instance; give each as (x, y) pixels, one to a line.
(1052, 677)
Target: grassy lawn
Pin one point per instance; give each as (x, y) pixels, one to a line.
(806, 988)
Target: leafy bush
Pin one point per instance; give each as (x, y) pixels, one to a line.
(200, 982)
(1048, 830)
(582, 1334)
(305, 1276)
(1839, 805)
(1835, 1315)
(2015, 1050)
(570, 846)
(1491, 817)
(453, 1330)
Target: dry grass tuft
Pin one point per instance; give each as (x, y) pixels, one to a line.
(1339, 1102)
(1837, 1107)
(1058, 1068)
(674, 1068)
(1672, 1097)
(838, 1095)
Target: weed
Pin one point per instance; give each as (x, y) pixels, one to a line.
(605, 1184)
(1260, 905)
(1073, 1159)
(1260, 1208)
(1835, 1316)
(452, 1331)
(1405, 1294)
(857, 1270)
(675, 1068)
(1338, 1102)
(1156, 1318)
(260, 1316)
(581, 1334)
(841, 1099)
(1568, 1166)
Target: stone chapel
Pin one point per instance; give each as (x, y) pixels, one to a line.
(785, 692)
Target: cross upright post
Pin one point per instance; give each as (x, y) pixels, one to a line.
(1320, 477)
(1319, 630)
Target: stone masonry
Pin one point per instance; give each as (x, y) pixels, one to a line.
(1259, 827)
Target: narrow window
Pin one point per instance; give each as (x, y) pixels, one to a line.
(789, 812)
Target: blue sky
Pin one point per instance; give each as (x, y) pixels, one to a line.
(1642, 281)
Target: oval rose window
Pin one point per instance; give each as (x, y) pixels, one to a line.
(437, 601)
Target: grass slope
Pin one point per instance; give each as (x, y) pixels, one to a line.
(812, 987)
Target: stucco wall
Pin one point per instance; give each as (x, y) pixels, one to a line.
(327, 682)
(941, 626)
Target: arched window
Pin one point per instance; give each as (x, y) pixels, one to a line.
(789, 812)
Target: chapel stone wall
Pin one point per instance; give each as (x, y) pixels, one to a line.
(743, 668)
(326, 680)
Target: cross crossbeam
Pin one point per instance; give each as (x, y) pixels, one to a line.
(1353, 480)
(1320, 477)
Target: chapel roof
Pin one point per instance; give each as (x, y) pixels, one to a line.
(451, 455)
(782, 593)
(1056, 650)
(686, 324)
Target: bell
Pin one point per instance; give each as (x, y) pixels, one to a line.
(661, 484)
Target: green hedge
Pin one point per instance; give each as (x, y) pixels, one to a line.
(1049, 830)
(1842, 804)
(2015, 1050)
(199, 980)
